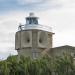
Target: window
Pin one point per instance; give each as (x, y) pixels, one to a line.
(32, 20)
(35, 54)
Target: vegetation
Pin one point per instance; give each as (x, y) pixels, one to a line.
(44, 66)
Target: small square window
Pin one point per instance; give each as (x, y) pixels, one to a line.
(35, 55)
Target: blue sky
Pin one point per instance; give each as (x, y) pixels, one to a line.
(58, 14)
(10, 5)
(27, 5)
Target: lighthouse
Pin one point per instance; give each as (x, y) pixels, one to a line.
(32, 38)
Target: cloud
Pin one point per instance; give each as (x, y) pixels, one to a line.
(46, 2)
(62, 21)
(28, 1)
(8, 27)
(35, 5)
(68, 3)
(40, 4)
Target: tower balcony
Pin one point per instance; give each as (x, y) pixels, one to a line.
(34, 26)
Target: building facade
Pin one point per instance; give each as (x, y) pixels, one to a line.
(61, 50)
(32, 38)
(35, 40)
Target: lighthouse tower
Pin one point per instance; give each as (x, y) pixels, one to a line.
(32, 39)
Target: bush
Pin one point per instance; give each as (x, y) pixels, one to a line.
(44, 66)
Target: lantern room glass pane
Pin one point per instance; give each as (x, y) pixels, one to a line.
(32, 21)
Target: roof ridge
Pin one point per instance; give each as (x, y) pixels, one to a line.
(64, 46)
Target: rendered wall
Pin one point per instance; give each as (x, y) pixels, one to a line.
(62, 50)
(23, 39)
(32, 42)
